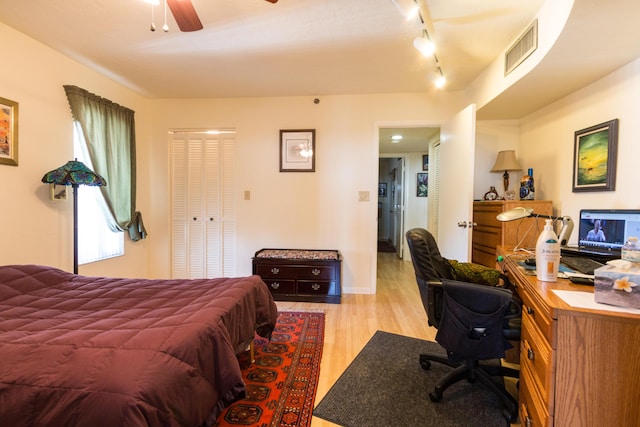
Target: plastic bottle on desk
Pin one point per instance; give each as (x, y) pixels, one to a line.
(547, 254)
(631, 250)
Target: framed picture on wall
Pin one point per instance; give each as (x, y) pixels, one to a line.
(425, 162)
(422, 184)
(8, 132)
(594, 157)
(298, 150)
(382, 189)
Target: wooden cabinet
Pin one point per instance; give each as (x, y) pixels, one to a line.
(300, 275)
(488, 232)
(578, 366)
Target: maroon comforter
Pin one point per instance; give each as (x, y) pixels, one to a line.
(92, 351)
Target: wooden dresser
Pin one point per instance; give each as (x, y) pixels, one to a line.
(578, 366)
(488, 232)
(300, 274)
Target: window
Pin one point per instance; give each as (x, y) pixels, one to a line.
(96, 241)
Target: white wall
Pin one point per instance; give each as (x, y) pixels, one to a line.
(36, 229)
(493, 136)
(547, 141)
(294, 210)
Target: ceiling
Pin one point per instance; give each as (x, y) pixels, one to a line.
(253, 48)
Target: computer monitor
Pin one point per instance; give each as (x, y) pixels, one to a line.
(607, 229)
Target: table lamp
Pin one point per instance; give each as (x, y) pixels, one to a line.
(74, 173)
(506, 161)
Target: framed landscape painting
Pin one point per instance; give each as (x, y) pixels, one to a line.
(594, 157)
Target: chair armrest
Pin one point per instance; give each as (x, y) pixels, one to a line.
(434, 304)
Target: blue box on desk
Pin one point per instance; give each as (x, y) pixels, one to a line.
(618, 283)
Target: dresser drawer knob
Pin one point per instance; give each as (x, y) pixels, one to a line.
(315, 287)
(530, 354)
(315, 272)
(275, 270)
(529, 310)
(275, 285)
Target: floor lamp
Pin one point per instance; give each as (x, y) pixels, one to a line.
(75, 174)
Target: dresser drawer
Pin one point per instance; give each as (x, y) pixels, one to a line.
(533, 412)
(282, 286)
(311, 287)
(536, 354)
(296, 272)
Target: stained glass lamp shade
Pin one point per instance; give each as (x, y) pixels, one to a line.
(75, 174)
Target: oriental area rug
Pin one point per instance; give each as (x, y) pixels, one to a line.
(281, 383)
(385, 386)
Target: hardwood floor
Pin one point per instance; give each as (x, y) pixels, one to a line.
(395, 308)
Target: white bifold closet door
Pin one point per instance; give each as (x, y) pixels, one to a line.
(203, 211)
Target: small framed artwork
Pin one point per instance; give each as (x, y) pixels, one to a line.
(422, 185)
(425, 162)
(8, 132)
(58, 192)
(298, 150)
(594, 157)
(382, 189)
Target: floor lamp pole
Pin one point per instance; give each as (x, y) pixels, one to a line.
(75, 228)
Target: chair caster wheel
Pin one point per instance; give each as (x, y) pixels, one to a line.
(435, 396)
(425, 364)
(510, 416)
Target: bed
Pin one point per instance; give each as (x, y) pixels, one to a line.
(99, 351)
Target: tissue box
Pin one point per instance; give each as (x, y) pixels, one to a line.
(618, 283)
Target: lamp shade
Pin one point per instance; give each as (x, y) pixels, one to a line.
(73, 173)
(506, 161)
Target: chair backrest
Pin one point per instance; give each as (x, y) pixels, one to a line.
(472, 320)
(428, 263)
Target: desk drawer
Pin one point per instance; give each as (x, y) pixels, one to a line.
(533, 412)
(536, 354)
(536, 314)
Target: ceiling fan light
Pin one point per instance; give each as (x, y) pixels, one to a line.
(424, 45)
(440, 82)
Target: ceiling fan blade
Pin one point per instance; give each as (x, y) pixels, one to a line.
(185, 15)
(272, 1)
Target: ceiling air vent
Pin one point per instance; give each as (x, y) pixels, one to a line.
(526, 44)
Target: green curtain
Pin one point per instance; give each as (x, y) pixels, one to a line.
(109, 132)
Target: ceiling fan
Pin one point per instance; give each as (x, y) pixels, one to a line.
(186, 16)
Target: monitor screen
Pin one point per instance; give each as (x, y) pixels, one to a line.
(607, 228)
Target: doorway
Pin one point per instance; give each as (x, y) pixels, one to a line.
(403, 155)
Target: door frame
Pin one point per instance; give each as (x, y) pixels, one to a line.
(376, 155)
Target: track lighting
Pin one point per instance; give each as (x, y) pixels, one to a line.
(424, 44)
(408, 8)
(440, 81)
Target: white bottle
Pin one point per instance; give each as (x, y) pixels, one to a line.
(547, 254)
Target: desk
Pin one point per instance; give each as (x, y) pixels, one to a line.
(578, 367)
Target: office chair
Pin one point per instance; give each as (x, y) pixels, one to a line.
(475, 314)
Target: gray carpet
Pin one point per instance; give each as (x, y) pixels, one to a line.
(385, 386)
